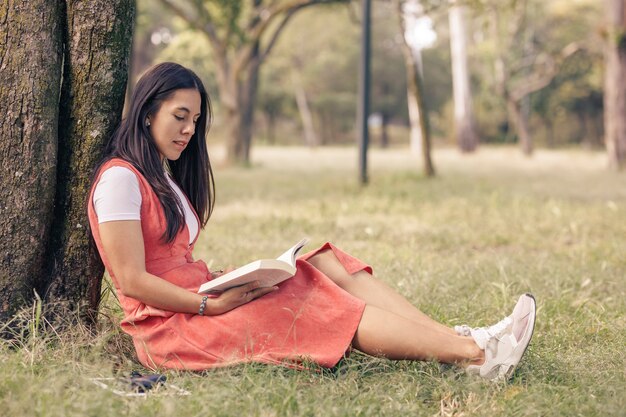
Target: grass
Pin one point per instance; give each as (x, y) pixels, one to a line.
(461, 246)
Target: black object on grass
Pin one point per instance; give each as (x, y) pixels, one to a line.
(142, 383)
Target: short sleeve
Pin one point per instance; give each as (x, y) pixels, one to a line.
(117, 195)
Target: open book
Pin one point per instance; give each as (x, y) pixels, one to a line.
(268, 272)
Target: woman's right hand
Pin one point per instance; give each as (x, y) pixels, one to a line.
(235, 297)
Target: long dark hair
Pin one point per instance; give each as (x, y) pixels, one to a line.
(133, 143)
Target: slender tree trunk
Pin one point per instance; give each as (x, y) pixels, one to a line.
(615, 84)
(463, 117)
(521, 125)
(233, 128)
(384, 130)
(271, 128)
(549, 132)
(416, 94)
(247, 98)
(310, 137)
(416, 90)
(95, 73)
(514, 109)
(30, 70)
(414, 124)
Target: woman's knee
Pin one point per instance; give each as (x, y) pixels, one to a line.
(327, 263)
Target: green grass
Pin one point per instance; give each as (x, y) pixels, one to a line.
(461, 246)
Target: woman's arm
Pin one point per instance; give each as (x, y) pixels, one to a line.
(122, 242)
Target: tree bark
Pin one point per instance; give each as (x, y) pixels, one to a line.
(30, 70)
(98, 40)
(615, 84)
(463, 118)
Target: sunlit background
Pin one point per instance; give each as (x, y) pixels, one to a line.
(307, 85)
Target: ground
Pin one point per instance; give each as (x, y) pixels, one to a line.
(461, 246)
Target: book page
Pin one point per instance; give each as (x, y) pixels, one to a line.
(268, 272)
(290, 256)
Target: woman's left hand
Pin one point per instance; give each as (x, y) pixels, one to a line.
(235, 297)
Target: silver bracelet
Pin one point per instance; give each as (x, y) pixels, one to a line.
(203, 305)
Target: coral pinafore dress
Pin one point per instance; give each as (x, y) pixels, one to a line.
(308, 318)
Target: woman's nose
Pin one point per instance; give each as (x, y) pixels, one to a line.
(189, 129)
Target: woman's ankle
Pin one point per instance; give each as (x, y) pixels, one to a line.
(476, 355)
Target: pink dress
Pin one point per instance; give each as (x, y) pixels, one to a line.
(308, 318)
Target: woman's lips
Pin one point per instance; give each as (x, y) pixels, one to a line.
(181, 144)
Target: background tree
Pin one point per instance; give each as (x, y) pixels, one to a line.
(318, 55)
(408, 12)
(54, 133)
(615, 83)
(528, 42)
(241, 34)
(566, 111)
(389, 81)
(463, 115)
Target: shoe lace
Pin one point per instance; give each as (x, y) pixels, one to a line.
(497, 329)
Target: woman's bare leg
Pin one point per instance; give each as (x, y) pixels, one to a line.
(386, 334)
(374, 292)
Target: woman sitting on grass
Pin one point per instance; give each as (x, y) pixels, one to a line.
(152, 193)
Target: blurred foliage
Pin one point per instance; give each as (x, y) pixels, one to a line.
(531, 31)
(320, 48)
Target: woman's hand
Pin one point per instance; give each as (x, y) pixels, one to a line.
(234, 297)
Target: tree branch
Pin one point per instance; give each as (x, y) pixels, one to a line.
(274, 36)
(203, 22)
(204, 25)
(539, 80)
(266, 16)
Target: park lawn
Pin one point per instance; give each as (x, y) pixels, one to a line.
(461, 246)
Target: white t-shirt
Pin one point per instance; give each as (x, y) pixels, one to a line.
(117, 197)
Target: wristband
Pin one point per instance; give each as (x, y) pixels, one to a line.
(203, 305)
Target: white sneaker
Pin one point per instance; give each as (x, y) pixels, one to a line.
(505, 349)
(482, 334)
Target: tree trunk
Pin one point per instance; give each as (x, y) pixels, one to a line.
(463, 118)
(549, 132)
(414, 124)
(615, 84)
(271, 128)
(247, 99)
(415, 87)
(521, 126)
(416, 91)
(234, 149)
(92, 96)
(30, 70)
(384, 130)
(310, 137)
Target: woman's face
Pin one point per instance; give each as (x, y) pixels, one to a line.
(173, 125)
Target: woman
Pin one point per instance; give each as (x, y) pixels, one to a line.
(153, 192)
